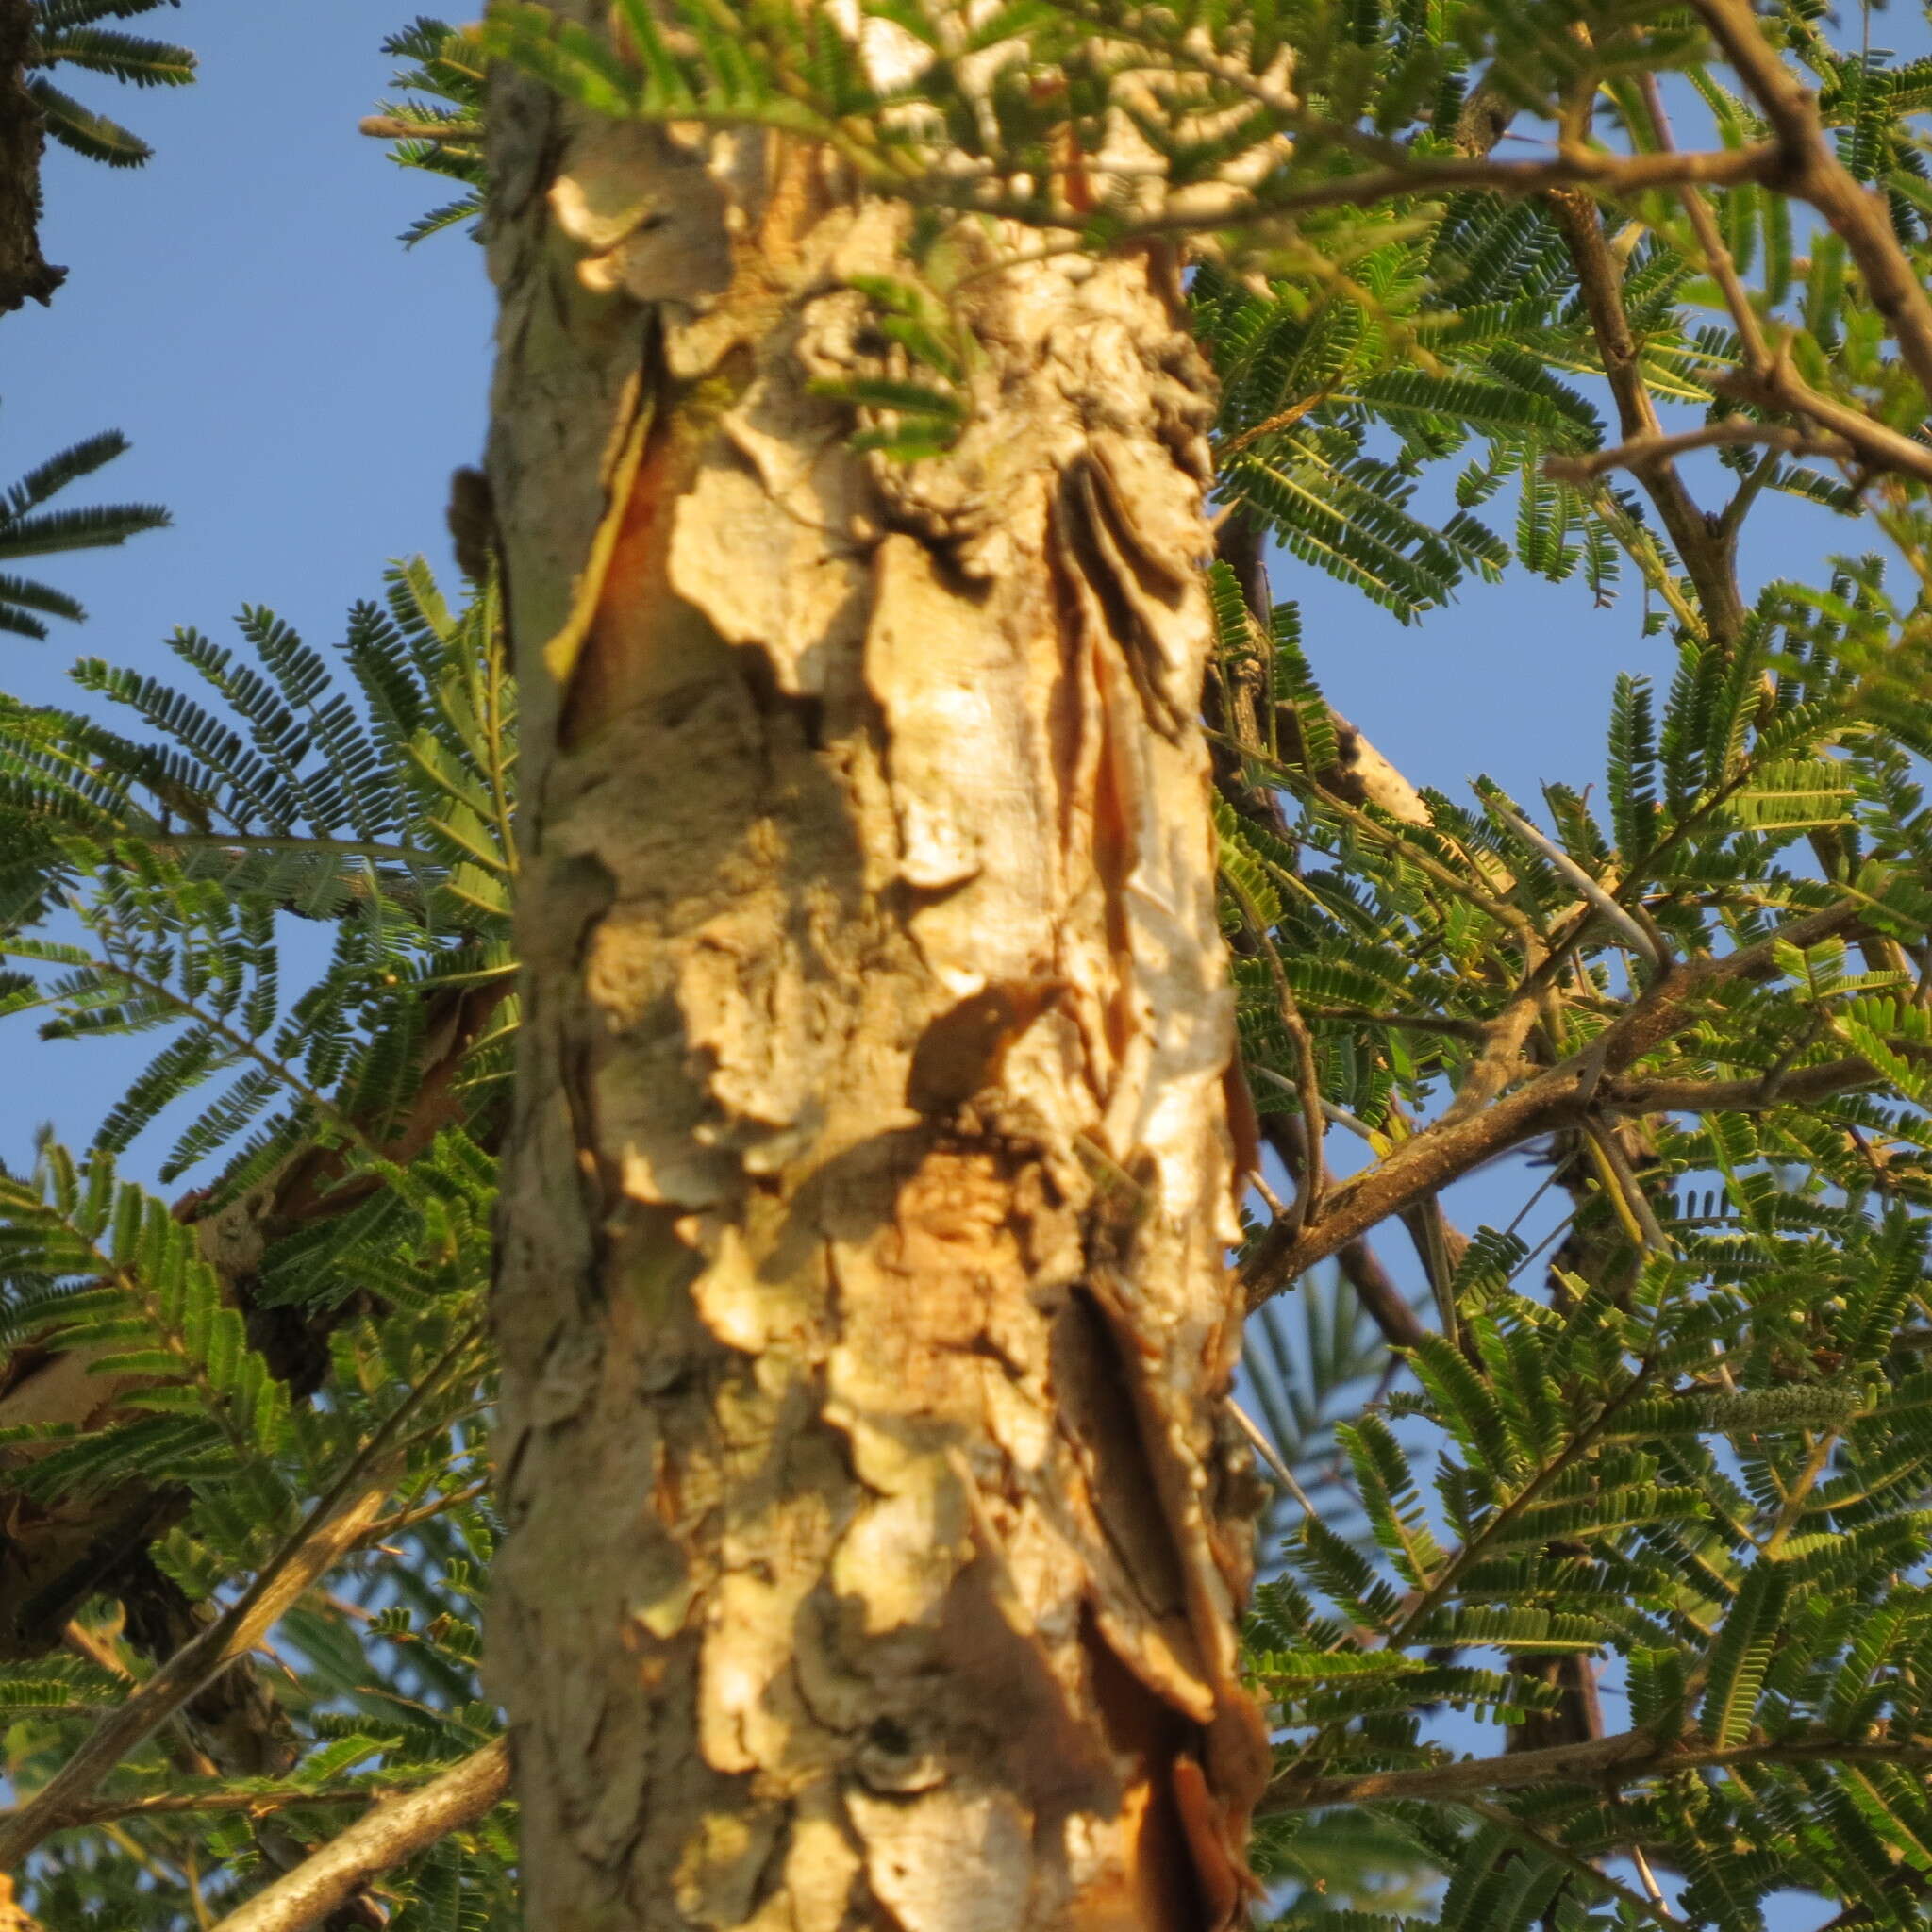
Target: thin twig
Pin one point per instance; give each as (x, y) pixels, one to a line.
(1596, 168)
(1625, 1758)
(1282, 418)
(407, 1519)
(1619, 916)
(1702, 553)
(188, 1756)
(1733, 431)
(1626, 1193)
(1276, 1205)
(223, 1798)
(1555, 1848)
(394, 127)
(1717, 254)
(1269, 1455)
(1648, 1876)
(1310, 1183)
(395, 1830)
(316, 1548)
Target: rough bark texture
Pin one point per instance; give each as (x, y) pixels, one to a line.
(24, 272)
(873, 1559)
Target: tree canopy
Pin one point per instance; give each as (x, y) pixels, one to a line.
(1596, 1584)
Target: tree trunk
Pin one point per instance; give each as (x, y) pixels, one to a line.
(24, 272)
(873, 1542)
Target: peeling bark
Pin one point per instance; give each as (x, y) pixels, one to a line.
(862, 1294)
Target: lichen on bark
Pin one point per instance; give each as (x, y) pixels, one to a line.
(872, 1554)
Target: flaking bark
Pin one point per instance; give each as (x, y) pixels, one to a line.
(862, 1294)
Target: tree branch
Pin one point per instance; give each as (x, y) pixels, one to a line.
(1876, 444)
(1808, 169)
(1574, 166)
(393, 1831)
(1625, 1758)
(1599, 278)
(1561, 1097)
(1641, 451)
(1767, 379)
(338, 1524)
(1385, 1304)
(219, 1797)
(392, 127)
(320, 1545)
(1802, 1088)
(24, 272)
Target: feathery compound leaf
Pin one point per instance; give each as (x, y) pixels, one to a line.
(29, 530)
(1739, 1658)
(67, 33)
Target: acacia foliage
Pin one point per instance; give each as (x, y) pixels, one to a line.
(68, 39)
(1599, 1585)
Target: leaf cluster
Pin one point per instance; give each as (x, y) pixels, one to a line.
(156, 878)
(439, 127)
(29, 529)
(68, 35)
